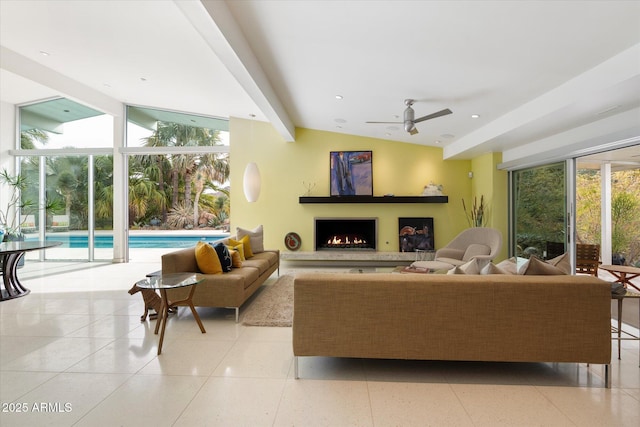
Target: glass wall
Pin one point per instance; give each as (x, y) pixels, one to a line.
(177, 167)
(179, 181)
(65, 155)
(539, 209)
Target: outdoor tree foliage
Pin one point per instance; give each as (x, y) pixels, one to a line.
(539, 209)
(166, 190)
(625, 211)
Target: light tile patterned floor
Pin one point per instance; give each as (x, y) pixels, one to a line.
(76, 345)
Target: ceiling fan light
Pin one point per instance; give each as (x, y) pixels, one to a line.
(408, 126)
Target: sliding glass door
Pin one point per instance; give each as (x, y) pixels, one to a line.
(539, 210)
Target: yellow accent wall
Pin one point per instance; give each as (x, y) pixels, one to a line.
(491, 183)
(398, 168)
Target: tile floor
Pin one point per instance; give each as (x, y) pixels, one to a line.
(74, 352)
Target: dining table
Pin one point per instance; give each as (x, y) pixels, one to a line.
(10, 255)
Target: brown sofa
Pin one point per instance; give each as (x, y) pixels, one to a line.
(453, 317)
(228, 290)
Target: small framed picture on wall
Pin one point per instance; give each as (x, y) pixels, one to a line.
(351, 173)
(416, 234)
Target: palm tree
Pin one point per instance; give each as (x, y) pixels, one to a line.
(211, 168)
(192, 168)
(30, 136)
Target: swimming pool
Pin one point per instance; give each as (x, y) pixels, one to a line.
(136, 242)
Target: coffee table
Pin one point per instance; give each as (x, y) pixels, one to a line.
(618, 330)
(164, 282)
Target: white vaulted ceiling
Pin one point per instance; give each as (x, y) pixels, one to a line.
(541, 75)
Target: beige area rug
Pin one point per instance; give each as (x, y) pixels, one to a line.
(272, 305)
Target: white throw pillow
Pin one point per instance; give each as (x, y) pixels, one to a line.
(470, 267)
(256, 238)
(492, 269)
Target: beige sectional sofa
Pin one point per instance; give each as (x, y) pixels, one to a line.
(453, 317)
(228, 290)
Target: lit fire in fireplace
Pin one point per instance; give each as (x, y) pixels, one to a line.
(342, 241)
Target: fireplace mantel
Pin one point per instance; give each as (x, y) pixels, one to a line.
(374, 199)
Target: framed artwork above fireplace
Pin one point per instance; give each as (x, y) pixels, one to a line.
(351, 173)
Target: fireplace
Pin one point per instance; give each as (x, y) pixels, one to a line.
(360, 234)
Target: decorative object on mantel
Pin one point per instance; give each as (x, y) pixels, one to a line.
(309, 186)
(477, 216)
(432, 189)
(292, 241)
(351, 173)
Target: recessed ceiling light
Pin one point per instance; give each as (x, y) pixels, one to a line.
(437, 141)
(142, 79)
(338, 96)
(392, 128)
(340, 121)
(475, 116)
(43, 53)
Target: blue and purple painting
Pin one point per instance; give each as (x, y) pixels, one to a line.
(351, 173)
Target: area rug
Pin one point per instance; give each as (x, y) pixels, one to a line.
(272, 305)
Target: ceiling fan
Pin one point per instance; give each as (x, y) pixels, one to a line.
(410, 120)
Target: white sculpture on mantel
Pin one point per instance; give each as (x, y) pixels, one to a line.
(432, 190)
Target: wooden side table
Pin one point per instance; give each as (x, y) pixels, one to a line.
(618, 330)
(172, 281)
(623, 274)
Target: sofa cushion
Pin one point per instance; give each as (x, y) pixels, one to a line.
(475, 249)
(561, 262)
(241, 278)
(536, 267)
(246, 245)
(508, 265)
(261, 264)
(224, 256)
(256, 237)
(207, 259)
(236, 261)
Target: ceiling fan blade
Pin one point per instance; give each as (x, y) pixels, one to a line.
(433, 116)
(388, 123)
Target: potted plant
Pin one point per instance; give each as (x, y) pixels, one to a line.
(12, 214)
(477, 216)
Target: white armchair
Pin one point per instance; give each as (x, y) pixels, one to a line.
(481, 243)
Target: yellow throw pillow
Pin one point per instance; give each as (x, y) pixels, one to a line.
(207, 259)
(238, 248)
(236, 262)
(246, 244)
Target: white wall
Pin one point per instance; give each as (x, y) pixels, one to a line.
(7, 142)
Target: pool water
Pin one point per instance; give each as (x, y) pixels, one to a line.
(159, 241)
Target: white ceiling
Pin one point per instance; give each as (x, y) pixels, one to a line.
(536, 72)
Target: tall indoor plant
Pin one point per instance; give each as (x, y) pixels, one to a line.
(477, 214)
(16, 207)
